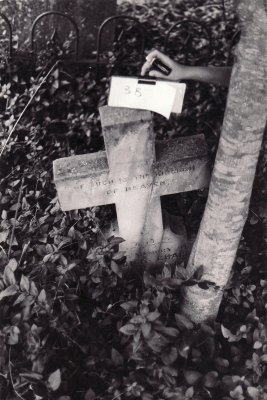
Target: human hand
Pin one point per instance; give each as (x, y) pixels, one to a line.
(178, 71)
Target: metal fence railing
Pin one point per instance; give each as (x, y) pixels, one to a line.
(97, 61)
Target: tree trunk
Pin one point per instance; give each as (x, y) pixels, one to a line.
(231, 184)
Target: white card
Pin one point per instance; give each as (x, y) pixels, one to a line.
(179, 98)
(162, 97)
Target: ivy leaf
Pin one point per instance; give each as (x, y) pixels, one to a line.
(13, 264)
(98, 291)
(116, 358)
(71, 233)
(150, 281)
(254, 220)
(16, 319)
(210, 345)
(137, 319)
(9, 277)
(184, 350)
(211, 379)
(235, 394)
(4, 235)
(169, 355)
(157, 342)
(198, 273)
(253, 392)
(15, 207)
(146, 329)
(89, 395)
(128, 329)
(146, 396)
(3, 258)
(152, 316)
(183, 322)
(263, 358)
(73, 264)
(55, 73)
(42, 296)
(203, 285)
(207, 329)
(118, 256)
(169, 332)
(172, 283)
(33, 289)
(28, 301)
(24, 284)
(20, 298)
(189, 393)
(257, 345)
(221, 364)
(172, 371)
(180, 272)
(9, 291)
(229, 382)
(252, 316)
(130, 305)
(192, 377)
(116, 240)
(38, 364)
(116, 268)
(54, 380)
(13, 337)
(228, 335)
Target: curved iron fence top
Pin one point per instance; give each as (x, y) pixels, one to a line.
(184, 22)
(137, 23)
(62, 15)
(10, 32)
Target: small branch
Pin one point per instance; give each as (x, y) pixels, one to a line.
(256, 215)
(62, 328)
(10, 373)
(25, 108)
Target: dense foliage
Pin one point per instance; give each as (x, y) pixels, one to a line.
(76, 322)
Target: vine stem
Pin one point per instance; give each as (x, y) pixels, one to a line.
(25, 108)
(15, 219)
(10, 373)
(62, 328)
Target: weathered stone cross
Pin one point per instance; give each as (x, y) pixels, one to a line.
(133, 173)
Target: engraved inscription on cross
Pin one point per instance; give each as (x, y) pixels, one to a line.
(133, 173)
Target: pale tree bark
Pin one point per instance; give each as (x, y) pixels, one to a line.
(232, 178)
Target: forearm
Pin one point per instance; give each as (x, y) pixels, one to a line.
(215, 75)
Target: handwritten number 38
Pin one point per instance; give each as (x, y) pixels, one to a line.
(137, 91)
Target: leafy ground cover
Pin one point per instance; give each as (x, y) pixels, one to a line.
(75, 321)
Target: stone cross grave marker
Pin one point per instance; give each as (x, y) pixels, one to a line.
(133, 173)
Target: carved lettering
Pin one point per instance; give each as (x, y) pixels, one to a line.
(143, 177)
